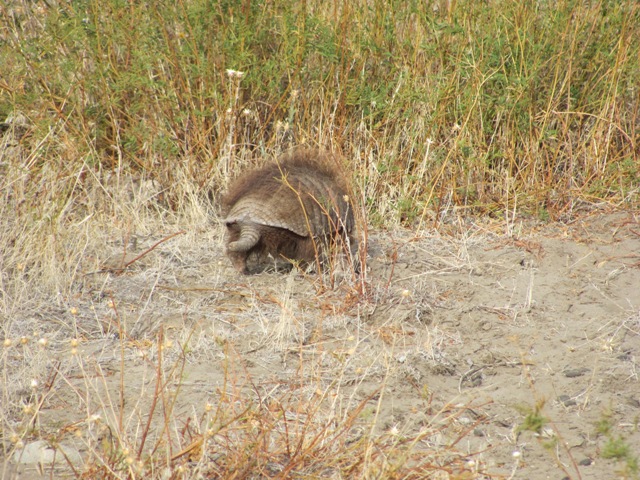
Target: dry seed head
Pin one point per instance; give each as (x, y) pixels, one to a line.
(7, 343)
(234, 73)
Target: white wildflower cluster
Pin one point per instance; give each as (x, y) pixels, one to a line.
(234, 73)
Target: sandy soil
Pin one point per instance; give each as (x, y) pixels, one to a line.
(501, 321)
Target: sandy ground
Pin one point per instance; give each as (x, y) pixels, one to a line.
(504, 322)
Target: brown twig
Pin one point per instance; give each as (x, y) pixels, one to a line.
(152, 247)
(156, 393)
(130, 262)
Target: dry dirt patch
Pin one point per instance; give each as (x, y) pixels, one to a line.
(530, 334)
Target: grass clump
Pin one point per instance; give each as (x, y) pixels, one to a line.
(479, 103)
(617, 447)
(533, 421)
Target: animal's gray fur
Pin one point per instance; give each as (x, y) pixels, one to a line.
(292, 209)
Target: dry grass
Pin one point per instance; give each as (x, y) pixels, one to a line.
(124, 124)
(134, 398)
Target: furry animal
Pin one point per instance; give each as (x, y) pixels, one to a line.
(293, 210)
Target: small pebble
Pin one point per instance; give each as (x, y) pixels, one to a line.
(575, 372)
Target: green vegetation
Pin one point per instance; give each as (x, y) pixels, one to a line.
(475, 103)
(533, 420)
(617, 447)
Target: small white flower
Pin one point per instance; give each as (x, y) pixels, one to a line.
(34, 383)
(234, 73)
